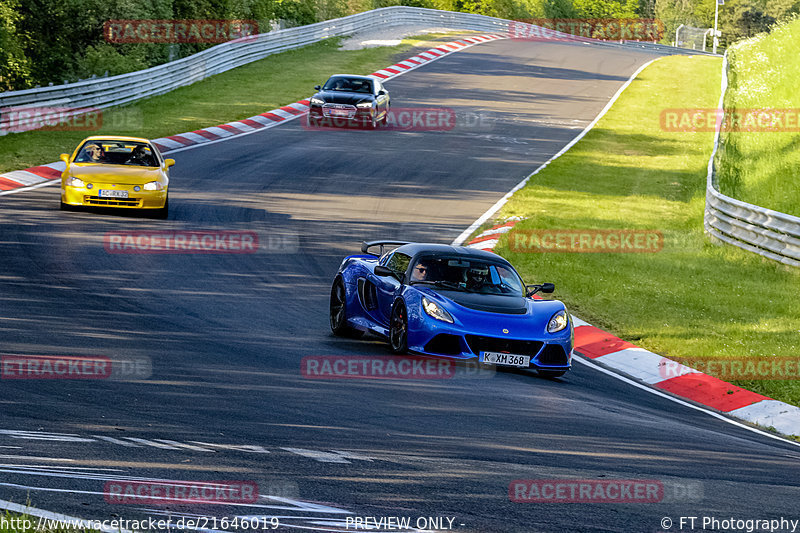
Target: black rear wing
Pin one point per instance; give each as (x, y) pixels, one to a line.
(366, 245)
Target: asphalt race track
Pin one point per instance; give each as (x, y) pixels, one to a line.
(226, 333)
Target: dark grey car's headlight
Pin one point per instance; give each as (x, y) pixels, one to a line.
(558, 322)
(317, 101)
(364, 105)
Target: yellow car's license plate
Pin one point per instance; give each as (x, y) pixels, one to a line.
(106, 193)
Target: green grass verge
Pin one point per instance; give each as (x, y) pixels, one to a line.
(692, 300)
(243, 92)
(762, 167)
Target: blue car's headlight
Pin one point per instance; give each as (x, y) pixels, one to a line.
(558, 322)
(317, 101)
(433, 309)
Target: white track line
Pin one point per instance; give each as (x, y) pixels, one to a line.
(677, 400)
(500, 203)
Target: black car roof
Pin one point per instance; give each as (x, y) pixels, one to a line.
(417, 248)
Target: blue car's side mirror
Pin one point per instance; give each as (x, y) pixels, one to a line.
(546, 288)
(384, 272)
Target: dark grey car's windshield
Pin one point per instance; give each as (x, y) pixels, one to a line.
(470, 275)
(356, 85)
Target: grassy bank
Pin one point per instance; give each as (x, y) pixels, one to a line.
(692, 299)
(272, 82)
(762, 167)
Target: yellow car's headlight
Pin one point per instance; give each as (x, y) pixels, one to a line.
(153, 186)
(75, 182)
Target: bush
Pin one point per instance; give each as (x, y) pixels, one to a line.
(103, 57)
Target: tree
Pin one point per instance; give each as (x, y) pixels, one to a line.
(15, 70)
(752, 22)
(599, 9)
(559, 9)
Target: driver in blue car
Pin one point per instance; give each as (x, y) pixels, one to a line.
(420, 272)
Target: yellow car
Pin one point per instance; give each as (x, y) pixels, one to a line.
(125, 172)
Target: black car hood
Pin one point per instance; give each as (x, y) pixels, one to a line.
(491, 303)
(344, 97)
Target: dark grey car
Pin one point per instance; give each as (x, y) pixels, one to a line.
(349, 99)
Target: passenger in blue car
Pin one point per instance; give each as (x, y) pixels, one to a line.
(477, 279)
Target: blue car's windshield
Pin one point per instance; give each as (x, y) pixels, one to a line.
(469, 275)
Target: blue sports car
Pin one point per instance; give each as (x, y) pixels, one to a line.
(451, 301)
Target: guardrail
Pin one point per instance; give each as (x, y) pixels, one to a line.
(756, 229)
(124, 89)
(127, 88)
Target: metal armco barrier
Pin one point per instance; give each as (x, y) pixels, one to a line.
(124, 89)
(127, 88)
(756, 229)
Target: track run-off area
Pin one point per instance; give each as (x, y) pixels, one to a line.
(223, 336)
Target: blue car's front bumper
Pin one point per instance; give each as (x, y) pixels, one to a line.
(489, 332)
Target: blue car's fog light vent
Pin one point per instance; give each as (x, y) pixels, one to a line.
(553, 355)
(480, 344)
(444, 344)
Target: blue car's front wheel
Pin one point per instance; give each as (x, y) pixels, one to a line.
(398, 329)
(338, 311)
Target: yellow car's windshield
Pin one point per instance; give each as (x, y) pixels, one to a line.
(117, 153)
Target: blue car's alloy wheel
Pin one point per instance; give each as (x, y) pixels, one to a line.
(398, 329)
(339, 311)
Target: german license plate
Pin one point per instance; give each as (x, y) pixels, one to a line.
(506, 359)
(340, 112)
(107, 193)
